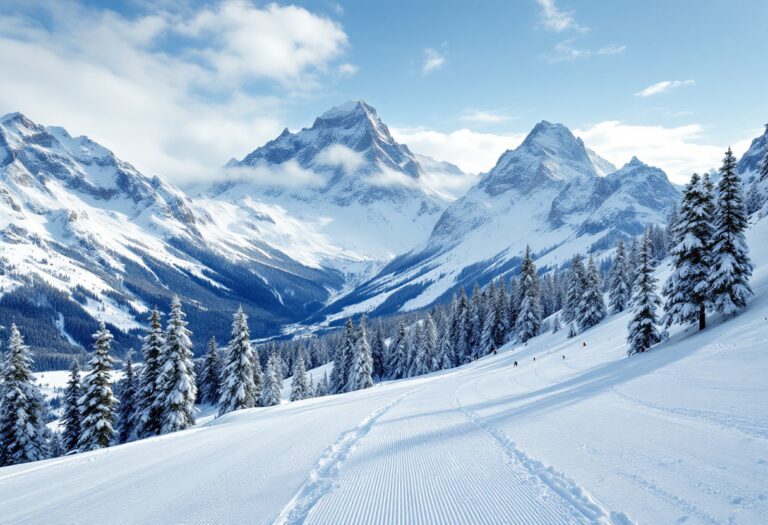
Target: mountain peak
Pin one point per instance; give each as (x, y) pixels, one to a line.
(635, 162)
(358, 106)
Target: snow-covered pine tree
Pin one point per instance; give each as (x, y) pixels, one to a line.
(97, 404)
(619, 285)
(342, 362)
(731, 267)
(514, 307)
(461, 327)
(148, 408)
(754, 200)
(446, 354)
(378, 349)
(633, 259)
(22, 410)
(415, 352)
(572, 332)
(322, 386)
(556, 324)
(592, 306)
(397, 349)
(238, 390)
(176, 381)
(501, 315)
(257, 376)
(687, 288)
(70, 419)
(575, 289)
(362, 363)
(209, 381)
(126, 420)
(430, 340)
(643, 329)
(55, 446)
(270, 393)
(487, 337)
(529, 316)
(476, 317)
(299, 382)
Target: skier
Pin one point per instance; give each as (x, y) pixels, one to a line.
(563, 356)
(515, 364)
(583, 343)
(534, 359)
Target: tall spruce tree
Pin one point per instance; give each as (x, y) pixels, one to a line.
(687, 288)
(575, 289)
(176, 382)
(209, 380)
(97, 404)
(299, 382)
(430, 340)
(22, 409)
(362, 363)
(70, 419)
(592, 306)
(643, 327)
(238, 390)
(342, 362)
(397, 351)
(270, 393)
(126, 421)
(148, 407)
(731, 267)
(619, 283)
(529, 316)
(461, 326)
(378, 349)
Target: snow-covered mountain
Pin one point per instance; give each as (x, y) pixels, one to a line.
(345, 178)
(549, 193)
(84, 235)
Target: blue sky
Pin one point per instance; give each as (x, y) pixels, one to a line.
(178, 88)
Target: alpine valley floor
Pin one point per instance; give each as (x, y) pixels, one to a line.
(677, 435)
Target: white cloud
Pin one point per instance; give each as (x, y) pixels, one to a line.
(661, 87)
(433, 61)
(557, 20)
(389, 177)
(483, 117)
(180, 111)
(288, 174)
(471, 151)
(342, 156)
(348, 69)
(679, 151)
(566, 51)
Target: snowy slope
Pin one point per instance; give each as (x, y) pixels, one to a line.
(550, 193)
(677, 435)
(347, 179)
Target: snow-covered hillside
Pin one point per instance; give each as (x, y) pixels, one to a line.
(582, 434)
(551, 193)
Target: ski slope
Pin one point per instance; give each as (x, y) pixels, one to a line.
(677, 435)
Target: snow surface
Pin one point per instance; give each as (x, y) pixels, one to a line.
(677, 435)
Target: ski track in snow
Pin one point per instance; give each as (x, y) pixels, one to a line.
(558, 482)
(322, 477)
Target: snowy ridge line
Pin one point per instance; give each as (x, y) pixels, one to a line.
(557, 481)
(322, 476)
(741, 425)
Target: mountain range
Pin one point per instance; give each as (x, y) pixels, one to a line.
(332, 220)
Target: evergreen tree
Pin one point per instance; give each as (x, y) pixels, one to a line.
(592, 306)
(556, 324)
(55, 445)
(514, 307)
(238, 390)
(461, 327)
(362, 364)
(643, 330)
(176, 381)
(149, 411)
(633, 259)
(97, 404)
(529, 316)
(446, 353)
(377, 352)
(430, 341)
(687, 289)
(342, 363)
(70, 419)
(619, 285)
(126, 420)
(572, 330)
(209, 384)
(299, 384)
(755, 200)
(501, 315)
(575, 289)
(270, 393)
(731, 267)
(22, 410)
(416, 360)
(397, 349)
(764, 169)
